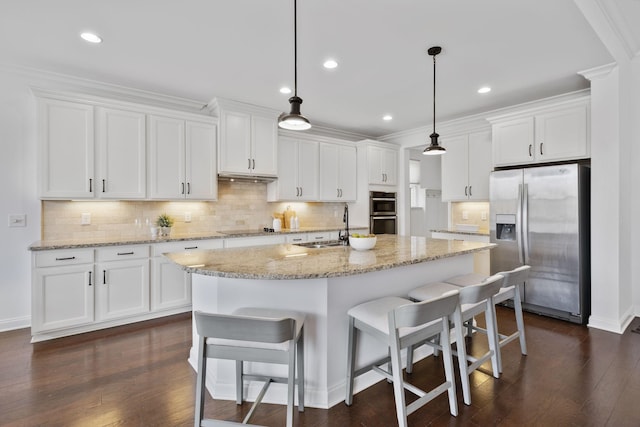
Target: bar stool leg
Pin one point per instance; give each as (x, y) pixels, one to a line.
(520, 320)
(351, 360)
(492, 336)
(461, 349)
(200, 383)
(239, 382)
(300, 360)
(398, 384)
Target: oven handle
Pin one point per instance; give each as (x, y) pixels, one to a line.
(385, 217)
(383, 199)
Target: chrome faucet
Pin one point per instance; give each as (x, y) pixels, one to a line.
(343, 235)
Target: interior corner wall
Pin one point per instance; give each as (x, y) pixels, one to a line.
(635, 199)
(19, 196)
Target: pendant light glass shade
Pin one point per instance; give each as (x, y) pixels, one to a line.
(434, 149)
(294, 120)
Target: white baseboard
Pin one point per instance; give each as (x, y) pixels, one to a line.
(15, 323)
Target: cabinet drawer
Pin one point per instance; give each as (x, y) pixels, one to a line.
(185, 245)
(119, 253)
(63, 257)
(323, 236)
(297, 238)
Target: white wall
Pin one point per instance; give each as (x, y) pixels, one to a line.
(18, 196)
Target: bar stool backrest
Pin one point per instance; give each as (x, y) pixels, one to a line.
(516, 276)
(245, 328)
(419, 313)
(481, 291)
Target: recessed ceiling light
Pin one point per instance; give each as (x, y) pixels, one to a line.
(91, 37)
(387, 118)
(484, 89)
(285, 90)
(330, 63)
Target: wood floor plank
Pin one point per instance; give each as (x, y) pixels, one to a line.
(138, 375)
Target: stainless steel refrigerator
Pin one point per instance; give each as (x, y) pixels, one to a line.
(540, 217)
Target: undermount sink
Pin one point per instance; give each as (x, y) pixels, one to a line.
(318, 245)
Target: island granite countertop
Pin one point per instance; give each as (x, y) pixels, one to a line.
(290, 261)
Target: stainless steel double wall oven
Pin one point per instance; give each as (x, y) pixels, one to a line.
(383, 216)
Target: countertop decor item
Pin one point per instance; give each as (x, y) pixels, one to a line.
(362, 242)
(434, 148)
(164, 222)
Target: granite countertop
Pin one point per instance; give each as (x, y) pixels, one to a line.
(289, 261)
(42, 245)
(469, 233)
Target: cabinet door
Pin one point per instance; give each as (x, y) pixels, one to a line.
(121, 154)
(389, 161)
(264, 140)
(65, 131)
(562, 135)
(513, 142)
(480, 166)
(235, 143)
(62, 297)
(307, 165)
(329, 156)
(287, 184)
(122, 288)
(170, 285)
(348, 173)
(455, 168)
(201, 160)
(166, 163)
(374, 156)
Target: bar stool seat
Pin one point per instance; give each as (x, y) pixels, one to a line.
(474, 300)
(255, 335)
(398, 323)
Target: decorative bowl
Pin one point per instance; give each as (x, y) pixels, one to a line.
(362, 243)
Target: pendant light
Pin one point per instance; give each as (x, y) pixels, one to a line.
(434, 149)
(294, 120)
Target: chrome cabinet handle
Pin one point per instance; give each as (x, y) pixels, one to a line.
(90, 278)
(104, 277)
(182, 188)
(248, 163)
(465, 190)
(254, 163)
(188, 188)
(541, 144)
(190, 247)
(65, 258)
(300, 191)
(125, 253)
(530, 150)
(90, 185)
(103, 184)
(470, 192)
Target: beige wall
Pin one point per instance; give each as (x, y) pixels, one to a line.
(475, 212)
(240, 205)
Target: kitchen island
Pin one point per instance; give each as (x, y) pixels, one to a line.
(323, 283)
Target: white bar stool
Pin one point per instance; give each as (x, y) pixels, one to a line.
(513, 279)
(474, 300)
(255, 335)
(399, 323)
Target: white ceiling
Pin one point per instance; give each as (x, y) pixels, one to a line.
(243, 50)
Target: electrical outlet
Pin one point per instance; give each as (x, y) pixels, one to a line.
(17, 220)
(187, 217)
(85, 219)
(483, 216)
(465, 215)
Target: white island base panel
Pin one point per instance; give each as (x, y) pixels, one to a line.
(325, 302)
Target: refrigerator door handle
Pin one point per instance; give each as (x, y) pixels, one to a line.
(525, 223)
(519, 225)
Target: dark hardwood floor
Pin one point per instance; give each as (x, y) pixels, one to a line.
(138, 375)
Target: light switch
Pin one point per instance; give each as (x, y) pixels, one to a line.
(85, 219)
(483, 216)
(465, 215)
(17, 220)
(187, 217)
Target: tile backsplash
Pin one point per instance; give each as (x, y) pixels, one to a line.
(470, 213)
(240, 205)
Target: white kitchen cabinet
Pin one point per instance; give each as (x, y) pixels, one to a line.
(182, 159)
(382, 164)
(555, 133)
(62, 290)
(121, 154)
(298, 175)
(338, 172)
(122, 282)
(466, 167)
(248, 144)
(66, 149)
(481, 259)
(241, 242)
(170, 285)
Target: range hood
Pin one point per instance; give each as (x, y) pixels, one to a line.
(246, 178)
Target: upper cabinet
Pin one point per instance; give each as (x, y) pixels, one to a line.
(383, 165)
(546, 134)
(182, 159)
(298, 177)
(66, 151)
(96, 148)
(338, 172)
(466, 166)
(248, 140)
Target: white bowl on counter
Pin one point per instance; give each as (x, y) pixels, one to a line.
(362, 243)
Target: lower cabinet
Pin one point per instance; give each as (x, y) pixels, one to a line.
(171, 286)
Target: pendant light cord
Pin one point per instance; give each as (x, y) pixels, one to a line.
(434, 93)
(295, 48)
